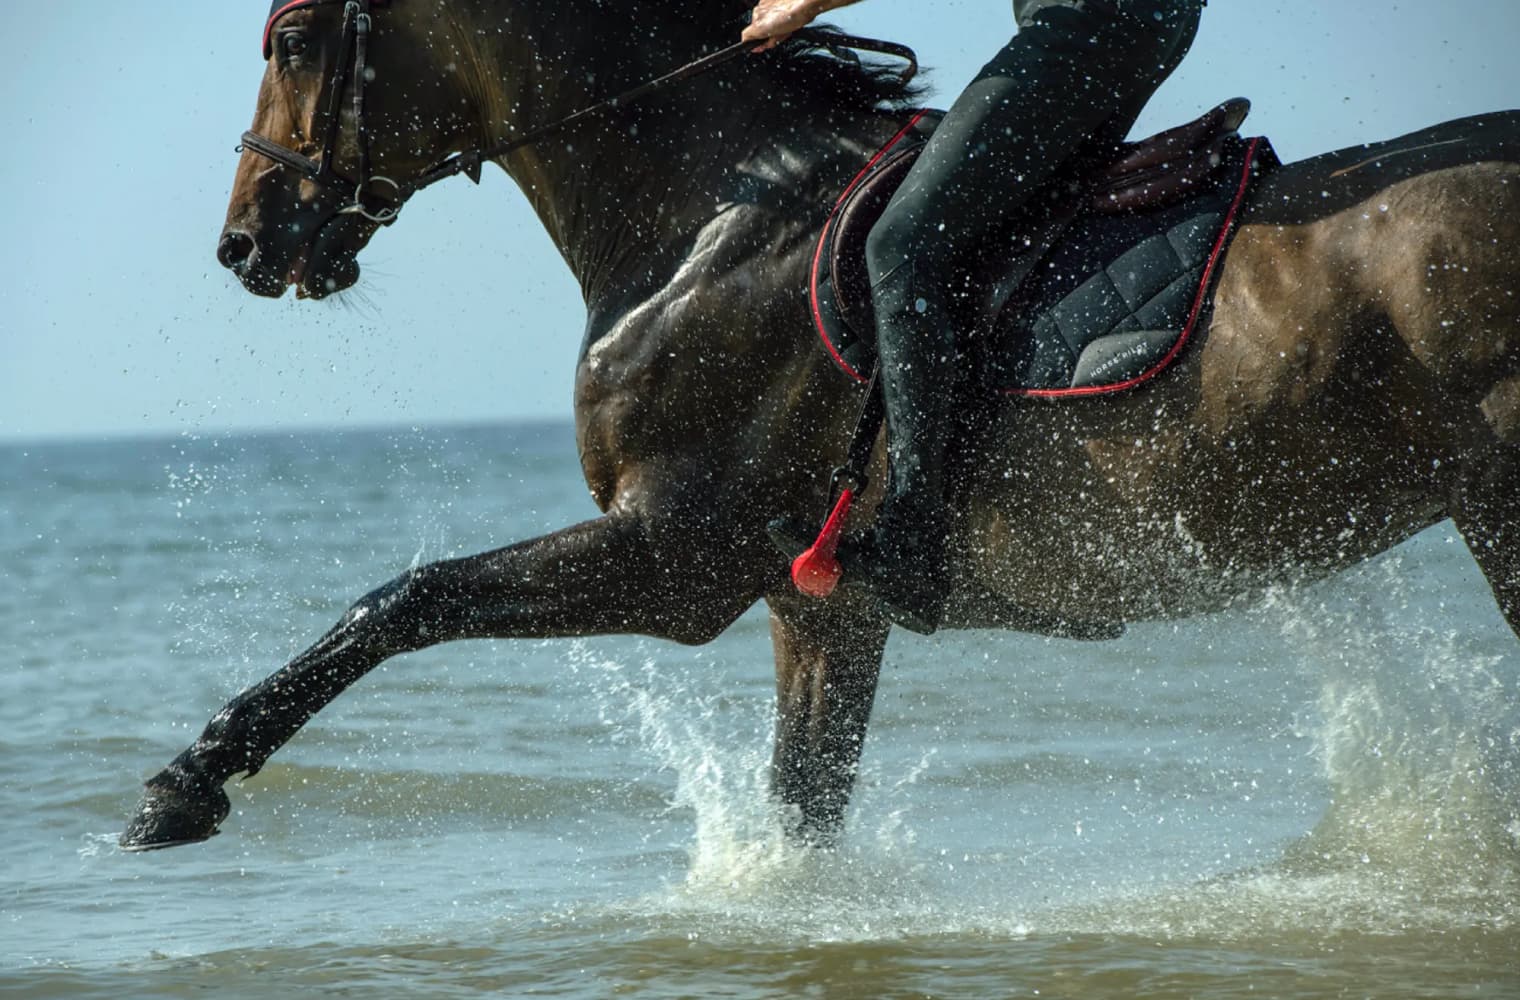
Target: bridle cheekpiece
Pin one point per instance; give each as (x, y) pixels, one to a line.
(352, 62)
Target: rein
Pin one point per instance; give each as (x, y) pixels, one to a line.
(352, 63)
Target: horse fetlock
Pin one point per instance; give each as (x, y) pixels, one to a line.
(817, 823)
(814, 789)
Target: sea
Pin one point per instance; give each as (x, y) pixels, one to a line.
(1317, 795)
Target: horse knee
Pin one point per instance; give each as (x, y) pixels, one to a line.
(396, 614)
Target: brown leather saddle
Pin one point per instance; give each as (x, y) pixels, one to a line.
(1148, 188)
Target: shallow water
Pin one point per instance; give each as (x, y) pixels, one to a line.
(1313, 798)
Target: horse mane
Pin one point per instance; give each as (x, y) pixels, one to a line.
(804, 74)
(800, 75)
(814, 72)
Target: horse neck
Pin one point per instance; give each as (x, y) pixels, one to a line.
(611, 190)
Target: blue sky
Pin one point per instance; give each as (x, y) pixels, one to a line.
(115, 318)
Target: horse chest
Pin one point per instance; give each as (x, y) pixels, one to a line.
(652, 391)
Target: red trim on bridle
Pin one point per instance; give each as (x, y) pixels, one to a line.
(282, 7)
(279, 11)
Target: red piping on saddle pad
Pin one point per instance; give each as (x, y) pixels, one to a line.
(824, 235)
(1203, 290)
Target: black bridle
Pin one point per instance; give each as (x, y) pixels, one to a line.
(352, 61)
(359, 195)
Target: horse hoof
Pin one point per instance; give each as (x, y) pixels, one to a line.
(171, 814)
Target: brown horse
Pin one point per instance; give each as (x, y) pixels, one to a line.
(1360, 380)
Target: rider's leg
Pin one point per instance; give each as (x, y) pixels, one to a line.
(1072, 74)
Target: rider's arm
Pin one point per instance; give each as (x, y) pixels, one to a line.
(773, 20)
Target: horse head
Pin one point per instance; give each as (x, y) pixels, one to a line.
(357, 112)
(348, 114)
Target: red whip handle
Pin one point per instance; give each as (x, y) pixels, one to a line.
(816, 572)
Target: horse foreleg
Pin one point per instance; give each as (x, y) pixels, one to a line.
(615, 574)
(828, 656)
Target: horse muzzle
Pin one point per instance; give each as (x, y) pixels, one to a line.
(326, 264)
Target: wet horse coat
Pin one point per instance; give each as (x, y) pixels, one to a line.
(1360, 379)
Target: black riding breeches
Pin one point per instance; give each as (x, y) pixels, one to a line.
(1076, 75)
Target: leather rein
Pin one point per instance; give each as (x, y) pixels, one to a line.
(360, 195)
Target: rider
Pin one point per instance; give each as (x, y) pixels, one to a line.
(1077, 70)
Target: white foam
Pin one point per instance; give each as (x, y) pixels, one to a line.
(93, 845)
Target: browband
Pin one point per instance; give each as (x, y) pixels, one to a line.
(279, 8)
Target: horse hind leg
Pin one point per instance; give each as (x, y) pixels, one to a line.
(1485, 500)
(1445, 271)
(1485, 504)
(1486, 511)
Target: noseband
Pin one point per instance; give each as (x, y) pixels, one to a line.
(359, 196)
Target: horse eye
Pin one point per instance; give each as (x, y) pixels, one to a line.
(292, 43)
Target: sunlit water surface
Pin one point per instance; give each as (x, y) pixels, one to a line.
(1312, 798)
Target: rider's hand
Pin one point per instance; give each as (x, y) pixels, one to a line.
(773, 21)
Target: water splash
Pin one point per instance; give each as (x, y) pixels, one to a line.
(94, 845)
(1418, 737)
(1414, 724)
(741, 865)
(1420, 728)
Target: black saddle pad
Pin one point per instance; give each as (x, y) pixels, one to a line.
(1108, 307)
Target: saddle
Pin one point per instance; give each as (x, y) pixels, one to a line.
(1107, 295)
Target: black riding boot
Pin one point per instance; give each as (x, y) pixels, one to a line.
(904, 566)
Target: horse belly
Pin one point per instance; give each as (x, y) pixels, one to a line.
(1191, 542)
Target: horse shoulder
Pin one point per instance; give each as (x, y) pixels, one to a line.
(666, 369)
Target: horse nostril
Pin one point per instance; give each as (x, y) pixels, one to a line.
(234, 249)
